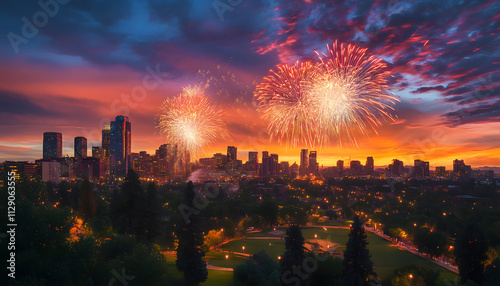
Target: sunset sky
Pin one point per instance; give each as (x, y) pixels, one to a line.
(77, 71)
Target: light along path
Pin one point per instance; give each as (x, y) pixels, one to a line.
(401, 247)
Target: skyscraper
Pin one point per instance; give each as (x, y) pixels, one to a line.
(52, 145)
(340, 165)
(369, 168)
(253, 159)
(420, 169)
(80, 148)
(106, 141)
(313, 163)
(120, 146)
(273, 165)
(232, 153)
(304, 162)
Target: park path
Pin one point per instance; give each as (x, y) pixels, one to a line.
(401, 247)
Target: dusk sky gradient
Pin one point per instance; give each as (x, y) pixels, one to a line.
(71, 77)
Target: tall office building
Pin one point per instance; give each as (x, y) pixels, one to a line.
(340, 165)
(106, 140)
(460, 170)
(273, 165)
(120, 146)
(313, 163)
(52, 145)
(253, 159)
(370, 166)
(266, 164)
(356, 167)
(397, 168)
(304, 162)
(420, 169)
(232, 153)
(80, 148)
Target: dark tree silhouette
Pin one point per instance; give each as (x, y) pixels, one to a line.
(357, 266)
(190, 236)
(470, 253)
(293, 258)
(87, 205)
(152, 213)
(128, 207)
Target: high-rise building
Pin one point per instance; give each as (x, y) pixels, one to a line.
(420, 169)
(460, 170)
(313, 163)
(80, 148)
(340, 166)
(220, 160)
(120, 146)
(304, 162)
(253, 159)
(265, 167)
(52, 145)
(273, 165)
(106, 140)
(232, 153)
(370, 166)
(355, 167)
(396, 169)
(440, 171)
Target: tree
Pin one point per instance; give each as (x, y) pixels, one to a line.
(213, 238)
(357, 266)
(260, 270)
(87, 205)
(492, 273)
(152, 213)
(415, 275)
(293, 258)
(190, 236)
(269, 211)
(128, 207)
(470, 253)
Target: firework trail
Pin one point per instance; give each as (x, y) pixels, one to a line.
(190, 121)
(344, 95)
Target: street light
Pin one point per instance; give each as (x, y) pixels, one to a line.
(315, 236)
(243, 247)
(227, 256)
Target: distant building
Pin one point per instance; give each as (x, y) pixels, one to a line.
(273, 165)
(420, 169)
(80, 148)
(220, 160)
(304, 162)
(52, 145)
(51, 171)
(340, 167)
(120, 146)
(370, 166)
(440, 172)
(313, 163)
(396, 169)
(284, 167)
(355, 167)
(253, 159)
(232, 153)
(460, 170)
(21, 169)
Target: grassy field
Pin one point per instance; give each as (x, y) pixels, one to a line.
(215, 277)
(385, 258)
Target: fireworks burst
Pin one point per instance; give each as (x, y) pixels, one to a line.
(190, 121)
(345, 94)
(284, 100)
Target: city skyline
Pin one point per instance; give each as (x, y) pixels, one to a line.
(233, 150)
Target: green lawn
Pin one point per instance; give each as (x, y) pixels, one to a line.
(215, 277)
(385, 257)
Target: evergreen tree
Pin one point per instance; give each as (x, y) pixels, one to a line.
(357, 266)
(293, 258)
(152, 213)
(87, 205)
(190, 237)
(470, 253)
(128, 207)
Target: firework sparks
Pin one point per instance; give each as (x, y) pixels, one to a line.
(190, 121)
(284, 101)
(345, 94)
